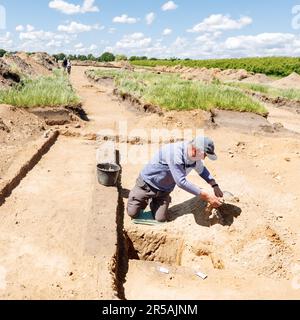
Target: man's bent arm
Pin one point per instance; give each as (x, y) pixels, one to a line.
(179, 176)
(207, 177)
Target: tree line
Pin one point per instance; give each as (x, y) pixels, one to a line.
(105, 57)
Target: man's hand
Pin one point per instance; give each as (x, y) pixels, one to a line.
(214, 201)
(218, 192)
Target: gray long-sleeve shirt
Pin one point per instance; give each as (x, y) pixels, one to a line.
(170, 167)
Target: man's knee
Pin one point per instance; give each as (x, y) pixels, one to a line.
(162, 218)
(133, 210)
(136, 203)
(162, 212)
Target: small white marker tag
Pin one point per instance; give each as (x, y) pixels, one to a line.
(201, 275)
(163, 270)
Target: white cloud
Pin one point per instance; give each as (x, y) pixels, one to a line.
(125, 19)
(136, 35)
(5, 41)
(167, 32)
(265, 42)
(81, 49)
(180, 42)
(42, 36)
(134, 41)
(211, 45)
(170, 5)
(150, 17)
(93, 47)
(64, 7)
(36, 35)
(75, 27)
(111, 30)
(219, 22)
(88, 6)
(208, 37)
(38, 40)
(54, 44)
(19, 28)
(70, 8)
(29, 28)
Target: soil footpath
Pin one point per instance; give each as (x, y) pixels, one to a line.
(54, 244)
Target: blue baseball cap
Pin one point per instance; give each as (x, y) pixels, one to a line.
(206, 145)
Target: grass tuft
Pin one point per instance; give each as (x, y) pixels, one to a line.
(172, 93)
(51, 91)
(291, 94)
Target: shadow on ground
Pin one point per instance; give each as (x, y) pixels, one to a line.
(197, 207)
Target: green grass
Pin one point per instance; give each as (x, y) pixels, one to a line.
(275, 66)
(50, 91)
(291, 94)
(172, 93)
(250, 86)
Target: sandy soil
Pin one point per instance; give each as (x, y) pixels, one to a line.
(259, 249)
(254, 255)
(17, 128)
(182, 284)
(262, 244)
(53, 227)
(48, 239)
(290, 82)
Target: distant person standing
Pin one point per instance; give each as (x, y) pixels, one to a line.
(69, 66)
(65, 64)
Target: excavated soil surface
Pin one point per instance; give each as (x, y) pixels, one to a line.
(17, 128)
(254, 253)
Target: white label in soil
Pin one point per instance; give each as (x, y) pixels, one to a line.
(201, 275)
(163, 270)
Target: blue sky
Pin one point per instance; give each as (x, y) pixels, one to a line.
(158, 28)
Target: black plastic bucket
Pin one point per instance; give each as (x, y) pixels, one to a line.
(108, 174)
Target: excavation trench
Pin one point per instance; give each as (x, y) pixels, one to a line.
(62, 115)
(247, 257)
(155, 263)
(233, 256)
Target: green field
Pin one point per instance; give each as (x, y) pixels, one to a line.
(172, 93)
(275, 66)
(292, 94)
(51, 91)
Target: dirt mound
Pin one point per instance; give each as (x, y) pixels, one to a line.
(17, 127)
(205, 74)
(7, 77)
(40, 63)
(234, 75)
(258, 78)
(290, 82)
(45, 60)
(125, 65)
(19, 64)
(108, 65)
